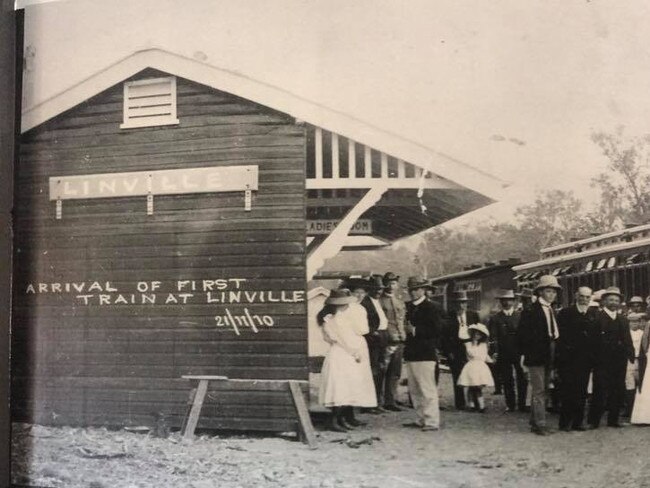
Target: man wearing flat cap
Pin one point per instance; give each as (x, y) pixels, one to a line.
(614, 350)
(395, 312)
(424, 326)
(455, 337)
(537, 334)
(503, 328)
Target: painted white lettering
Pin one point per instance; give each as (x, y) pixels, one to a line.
(30, 289)
(84, 298)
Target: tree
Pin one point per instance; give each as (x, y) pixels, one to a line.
(625, 186)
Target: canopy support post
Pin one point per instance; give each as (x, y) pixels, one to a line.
(333, 243)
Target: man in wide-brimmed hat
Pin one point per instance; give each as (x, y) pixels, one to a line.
(614, 350)
(454, 339)
(425, 321)
(503, 330)
(537, 334)
(574, 357)
(377, 338)
(395, 311)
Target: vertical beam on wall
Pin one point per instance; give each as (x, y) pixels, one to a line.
(335, 156)
(318, 152)
(352, 159)
(8, 110)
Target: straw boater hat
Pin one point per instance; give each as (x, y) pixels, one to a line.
(612, 290)
(548, 281)
(340, 297)
(636, 299)
(505, 295)
(481, 328)
(460, 296)
(416, 282)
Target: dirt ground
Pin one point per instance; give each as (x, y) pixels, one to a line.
(471, 450)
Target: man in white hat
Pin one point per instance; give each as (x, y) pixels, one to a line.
(613, 351)
(536, 337)
(503, 330)
(575, 353)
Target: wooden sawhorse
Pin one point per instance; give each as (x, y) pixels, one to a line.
(200, 388)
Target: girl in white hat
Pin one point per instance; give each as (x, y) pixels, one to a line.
(476, 373)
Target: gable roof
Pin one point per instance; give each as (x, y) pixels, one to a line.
(272, 97)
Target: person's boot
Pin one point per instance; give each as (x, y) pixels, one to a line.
(332, 421)
(340, 420)
(350, 418)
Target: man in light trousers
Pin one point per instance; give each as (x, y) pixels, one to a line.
(536, 337)
(424, 330)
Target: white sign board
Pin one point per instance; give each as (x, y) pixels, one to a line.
(325, 227)
(162, 182)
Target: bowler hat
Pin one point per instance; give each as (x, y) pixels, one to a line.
(481, 328)
(354, 283)
(548, 281)
(460, 296)
(416, 282)
(376, 282)
(636, 299)
(506, 295)
(390, 276)
(525, 293)
(340, 297)
(612, 290)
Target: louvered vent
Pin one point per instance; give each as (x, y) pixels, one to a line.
(149, 102)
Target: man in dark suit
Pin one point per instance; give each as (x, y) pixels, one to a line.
(574, 358)
(503, 330)
(613, 351)
(377, 337)
(424, 328)
(536, 337)
(454, 345)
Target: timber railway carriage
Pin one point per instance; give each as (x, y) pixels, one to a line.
(620, 258)
(481, 282)
(169, 217)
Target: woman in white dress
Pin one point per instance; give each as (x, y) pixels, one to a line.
(346, 378)
(476, 373)
(641, 410)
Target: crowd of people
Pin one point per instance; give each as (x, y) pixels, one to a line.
(590, 355)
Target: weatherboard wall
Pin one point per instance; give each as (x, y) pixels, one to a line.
(103, 361)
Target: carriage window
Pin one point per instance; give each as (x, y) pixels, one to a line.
(589, 266)
(612, 262)
(601, 263)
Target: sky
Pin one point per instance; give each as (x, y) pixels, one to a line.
(515, 88)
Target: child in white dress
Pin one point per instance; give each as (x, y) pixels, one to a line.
(476, 373)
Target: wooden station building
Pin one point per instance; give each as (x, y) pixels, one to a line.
(168, 218)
